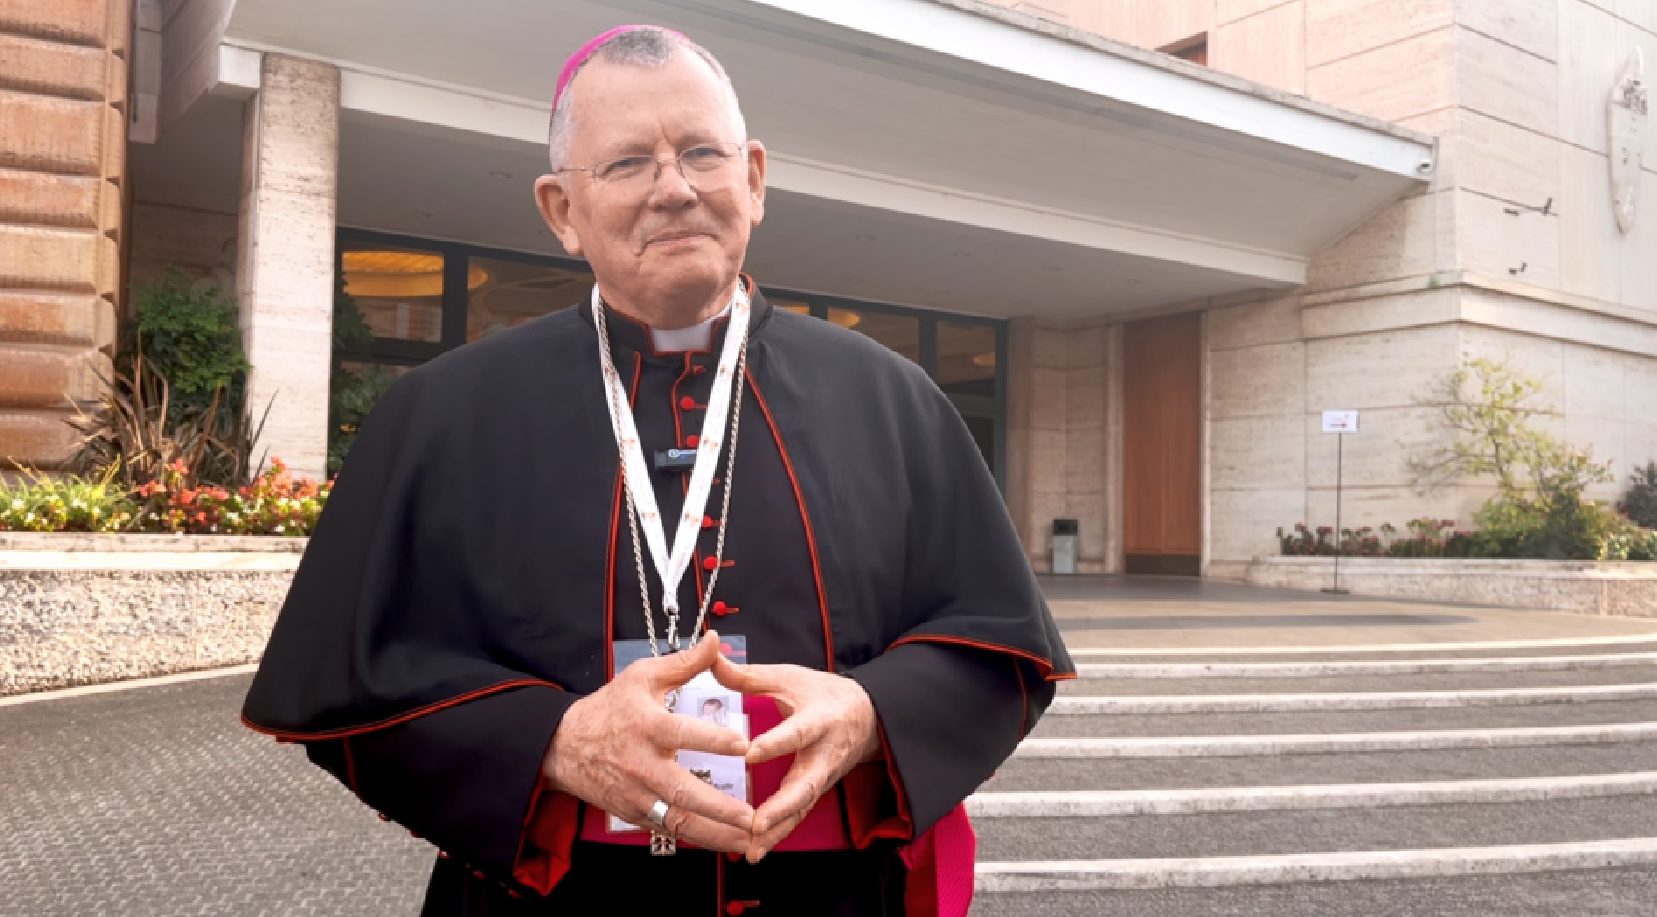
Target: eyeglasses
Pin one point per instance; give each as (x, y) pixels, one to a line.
(705, 167)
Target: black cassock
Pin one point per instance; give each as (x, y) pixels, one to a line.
(473, 565)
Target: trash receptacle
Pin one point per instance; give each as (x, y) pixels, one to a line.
(1064, 545)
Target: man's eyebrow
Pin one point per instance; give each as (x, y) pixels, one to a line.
(623, 148)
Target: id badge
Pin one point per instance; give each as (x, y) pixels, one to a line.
(705, 698)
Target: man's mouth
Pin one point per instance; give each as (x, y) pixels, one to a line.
(678, 235)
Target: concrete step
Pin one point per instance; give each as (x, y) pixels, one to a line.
(1315, 654)
(1212, 800)
(1455, 681)
(1117, 705)
(1253, 834)
(1342, 667)
(1321, 743)
(1622, 892)
(1029, 774)
(1479, 648)
(1332, 721)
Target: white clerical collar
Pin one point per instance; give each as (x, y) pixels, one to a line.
(679, 340)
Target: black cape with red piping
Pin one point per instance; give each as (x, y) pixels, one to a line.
(472, 568)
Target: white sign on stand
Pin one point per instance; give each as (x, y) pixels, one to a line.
(1340, 421)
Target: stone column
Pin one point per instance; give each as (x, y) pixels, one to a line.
(1036, 379)
(285, 283)
(1021, 334)
(63, 85)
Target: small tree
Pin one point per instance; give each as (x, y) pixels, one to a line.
(1540, 508)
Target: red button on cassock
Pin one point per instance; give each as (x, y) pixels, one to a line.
(721, 609)
(692, 440)
(708, 523)
(687, 403)
(711, 563)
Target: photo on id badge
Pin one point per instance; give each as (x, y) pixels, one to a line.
(705, 698)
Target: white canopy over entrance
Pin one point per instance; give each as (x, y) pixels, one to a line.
(943, 154)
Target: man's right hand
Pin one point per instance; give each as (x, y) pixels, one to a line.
(616, 749)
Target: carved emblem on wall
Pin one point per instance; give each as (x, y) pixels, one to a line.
(1627, 113)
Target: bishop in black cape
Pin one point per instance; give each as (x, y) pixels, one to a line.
(473, 567)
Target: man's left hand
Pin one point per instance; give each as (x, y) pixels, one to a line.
(830, 728)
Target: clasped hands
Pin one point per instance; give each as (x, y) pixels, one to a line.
(616, 747)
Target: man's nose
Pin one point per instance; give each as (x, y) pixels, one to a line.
(670, 188)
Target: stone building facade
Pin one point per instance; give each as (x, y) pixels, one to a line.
(63, 143)
(1178, 259)
(1512, 252)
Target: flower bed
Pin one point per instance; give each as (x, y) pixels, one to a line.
(1617, 540)
(273, 504)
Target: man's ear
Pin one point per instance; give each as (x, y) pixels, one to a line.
(553, 200)
(756, 179)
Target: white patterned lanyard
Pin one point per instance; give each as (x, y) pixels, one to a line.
(641, 495)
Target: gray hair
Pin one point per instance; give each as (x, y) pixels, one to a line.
(651, 46)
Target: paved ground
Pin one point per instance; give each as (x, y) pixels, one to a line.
(157, 803)
(154, 802)
(1168, 611)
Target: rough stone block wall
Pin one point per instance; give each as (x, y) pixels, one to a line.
(63, 104)
(85, 609)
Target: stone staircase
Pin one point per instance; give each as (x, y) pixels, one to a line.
(1506, 778)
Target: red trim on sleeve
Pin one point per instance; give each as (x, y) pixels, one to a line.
(550, 827)
(872, 791)
(401, 718)
(805, 520)
(1044, 666)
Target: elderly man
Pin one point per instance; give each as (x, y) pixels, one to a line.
(522, 518)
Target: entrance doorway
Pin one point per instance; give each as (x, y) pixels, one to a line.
(1162, 446)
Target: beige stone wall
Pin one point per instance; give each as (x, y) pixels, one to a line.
(1511, 252)
(63, 84)
(1058, 448)
(1147, 23)
(201, 243)
(1625, 589)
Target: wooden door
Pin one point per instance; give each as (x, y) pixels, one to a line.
(1162, 445)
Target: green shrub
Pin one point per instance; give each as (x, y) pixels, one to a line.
(1640, 504)
(188, 333)
(177, 394)
(352, 392)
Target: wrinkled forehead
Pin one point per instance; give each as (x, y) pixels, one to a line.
(682, 98)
